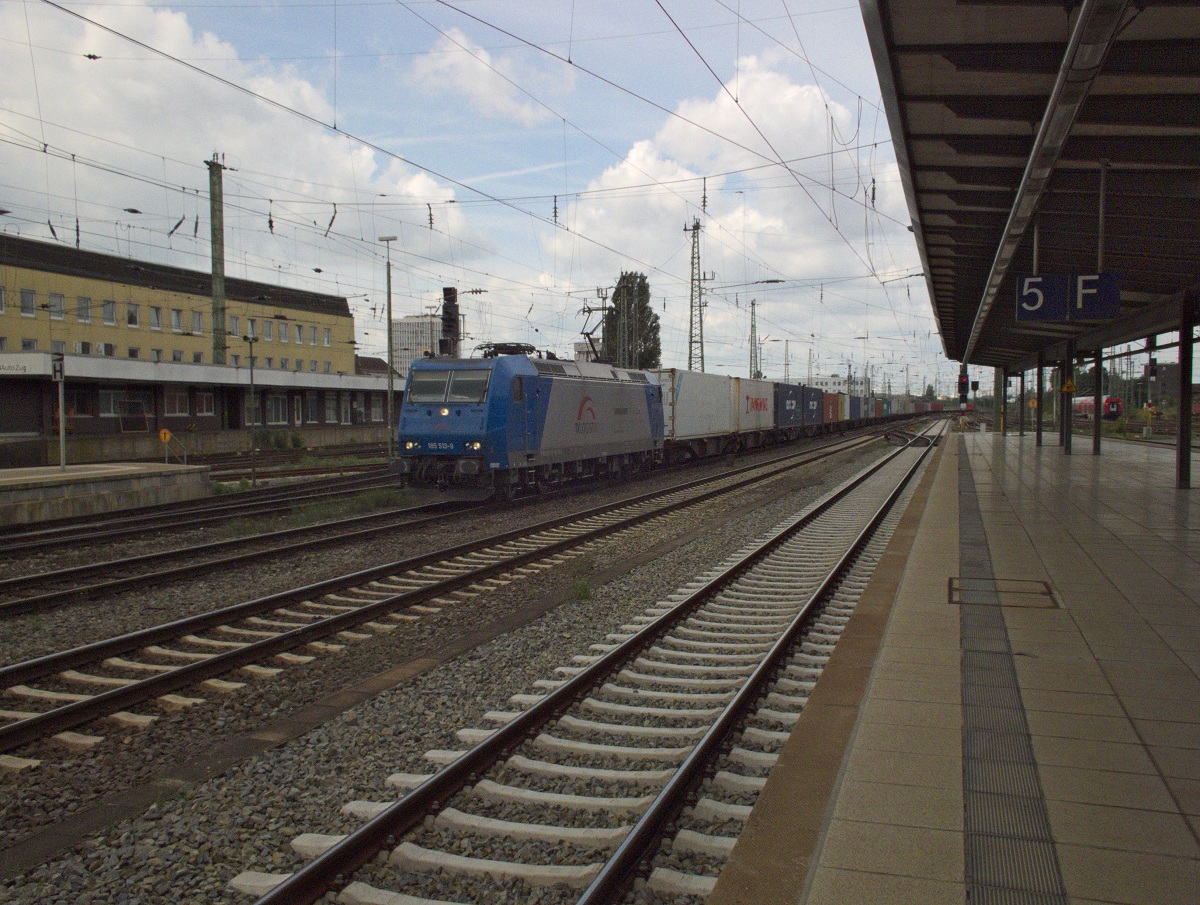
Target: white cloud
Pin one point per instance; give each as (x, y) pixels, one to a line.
(459, 67)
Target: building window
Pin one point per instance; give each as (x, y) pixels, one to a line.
(197, 358)
(3, 301)
(109, 312)
(82, 347)
(80, 403)
(133, 352)
(156, 354)
(132, 315)
(328, 337)
(270, 362)
(235, 324)
(269, 331)
(235, 360)
(254, 411)
(328, 367)
(346, 409)
(29, 345)
(277, 409)
(176, 401)
(312, 336)
(177, 355)
(58, 346)
(204, 403)
(312, 404)
(155, 317)
(108, 350)
(110, 403)
(376, 407)
(177, 320)
(299, 328)
(58, 306)
(3, 343)
(83, 309)
(198, 322)
(28, 303)
(331, 408)
(299, 364)
(283, 364)
(312, 365)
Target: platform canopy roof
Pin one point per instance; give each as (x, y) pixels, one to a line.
(1015, 124)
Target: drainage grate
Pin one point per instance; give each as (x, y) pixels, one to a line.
(1002, 592)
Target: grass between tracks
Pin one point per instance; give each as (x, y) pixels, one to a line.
(368, 501)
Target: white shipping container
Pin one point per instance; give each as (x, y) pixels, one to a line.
(697, 405)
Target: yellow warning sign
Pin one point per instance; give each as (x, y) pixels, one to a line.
(1069, 386)
(164, 435)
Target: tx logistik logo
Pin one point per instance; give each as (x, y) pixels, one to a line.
(585, 418)
(756, 404)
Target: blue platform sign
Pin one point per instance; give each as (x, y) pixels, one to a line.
(1061, 297)
(1095, 296)
(1042, 298)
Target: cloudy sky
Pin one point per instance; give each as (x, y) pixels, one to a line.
(529, 151)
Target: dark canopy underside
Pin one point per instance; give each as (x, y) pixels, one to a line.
(1008, 118)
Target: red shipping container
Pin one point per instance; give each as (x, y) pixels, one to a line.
(831, 408)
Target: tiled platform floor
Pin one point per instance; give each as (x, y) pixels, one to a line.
(867, 803)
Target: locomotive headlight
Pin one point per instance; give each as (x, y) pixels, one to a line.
(444, 412)
(475, 445)
(408, 444)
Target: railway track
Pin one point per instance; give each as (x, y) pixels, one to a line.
(146, 668)
(149, 519)
(46, 590)
(660, 740)
(42, 591)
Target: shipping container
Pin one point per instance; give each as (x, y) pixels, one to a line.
(704, 412)
(832, 408)
(856, 408)
(789, 405)
(814, 400)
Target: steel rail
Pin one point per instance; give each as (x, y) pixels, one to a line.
(69, 595)
(42, 601)
(68, 716)
(126, 525)
(312, 881)
(620, 869)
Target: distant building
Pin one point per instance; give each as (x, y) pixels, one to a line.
(836, 383)
(415, 336)
(135, 343)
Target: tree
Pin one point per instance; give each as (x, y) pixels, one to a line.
(930, 395)
(630, 327)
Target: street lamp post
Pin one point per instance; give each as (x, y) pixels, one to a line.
(391, 439)
(250, 340)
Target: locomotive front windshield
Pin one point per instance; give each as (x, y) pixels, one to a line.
(448, 386)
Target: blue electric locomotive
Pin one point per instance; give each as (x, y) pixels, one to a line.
(517, 421)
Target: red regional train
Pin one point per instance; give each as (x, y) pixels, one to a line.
(1111, 408)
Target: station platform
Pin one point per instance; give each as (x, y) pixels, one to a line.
(1013, 712)
(40, 493)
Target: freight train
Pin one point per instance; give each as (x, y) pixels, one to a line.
(520, 422)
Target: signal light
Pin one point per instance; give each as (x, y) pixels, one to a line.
(962, 387)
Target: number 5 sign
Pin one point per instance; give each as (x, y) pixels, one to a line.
(1042, 298)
